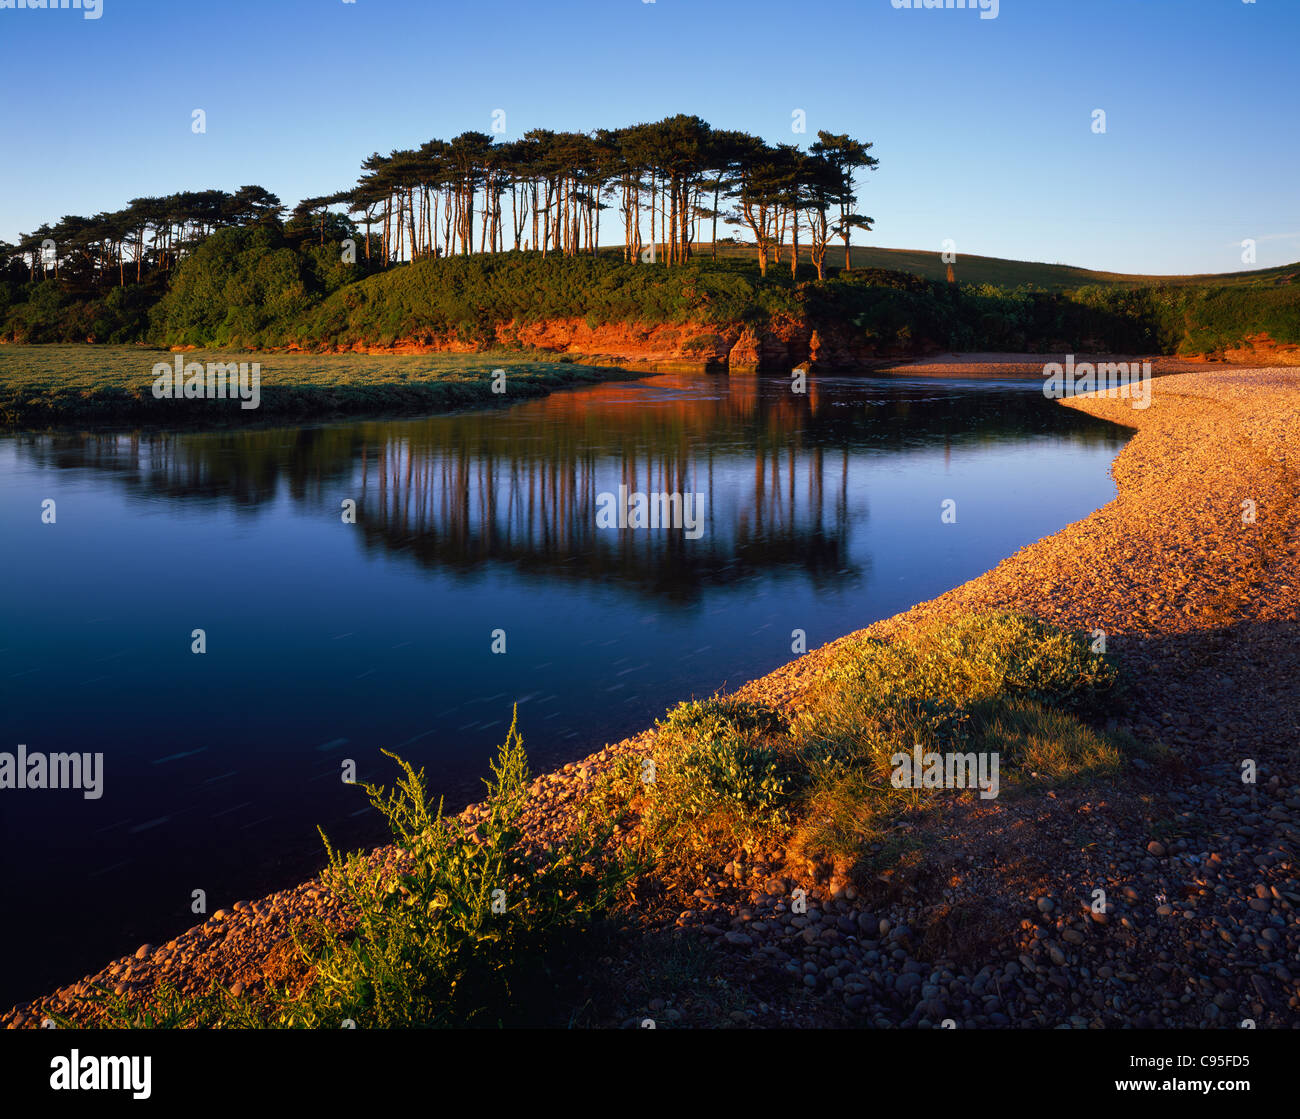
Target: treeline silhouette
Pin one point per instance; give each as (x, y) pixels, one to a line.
(545, 192)
(148, 233)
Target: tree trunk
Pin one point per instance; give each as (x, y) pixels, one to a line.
(716, 190)
(844, 225)
(794, 247)
(535, 242)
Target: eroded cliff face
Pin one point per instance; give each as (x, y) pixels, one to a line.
(1261, 349)
(786, 342)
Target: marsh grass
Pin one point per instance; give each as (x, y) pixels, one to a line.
(61, 384)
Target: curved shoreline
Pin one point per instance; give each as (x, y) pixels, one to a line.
(1207, 626)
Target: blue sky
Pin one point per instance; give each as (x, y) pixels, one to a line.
(983, 126)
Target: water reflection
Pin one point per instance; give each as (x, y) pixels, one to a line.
(520, 488)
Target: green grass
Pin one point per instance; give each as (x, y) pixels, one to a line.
(1040, 742)
(981, 683)
(729, 774)
(78, 384)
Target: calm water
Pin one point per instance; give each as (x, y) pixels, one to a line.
(327, 641)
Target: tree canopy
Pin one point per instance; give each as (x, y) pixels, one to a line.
(545, 192)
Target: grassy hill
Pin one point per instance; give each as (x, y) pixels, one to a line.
(466, 298)
(1016, 273)
(257, 288)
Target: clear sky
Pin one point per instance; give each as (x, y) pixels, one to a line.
(984, 127)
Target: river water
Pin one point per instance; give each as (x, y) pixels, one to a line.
(327, 641)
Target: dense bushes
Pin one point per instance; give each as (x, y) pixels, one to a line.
(248, 287)
(262, 286)
(467, 296)
(48, 310)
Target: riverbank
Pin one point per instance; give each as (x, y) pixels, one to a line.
(989, 918)
(50, 386)
(45, 387)
(1030, 365)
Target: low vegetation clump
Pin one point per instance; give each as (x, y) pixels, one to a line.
(728, 774)
(718, 768)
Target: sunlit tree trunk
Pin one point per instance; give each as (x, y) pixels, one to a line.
(654, 202)
(534, 189)
(794, 249)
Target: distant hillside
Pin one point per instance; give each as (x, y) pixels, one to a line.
(1015, 273)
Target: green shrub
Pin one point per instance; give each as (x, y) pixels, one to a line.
(443, 942)
(715, 755)
(720, 716)
(720, 777)
(972, 658)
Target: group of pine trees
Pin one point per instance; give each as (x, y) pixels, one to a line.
(663, 182)
(149, 234)
(547, 191)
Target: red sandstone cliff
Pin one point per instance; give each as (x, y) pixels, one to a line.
(787, 341)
